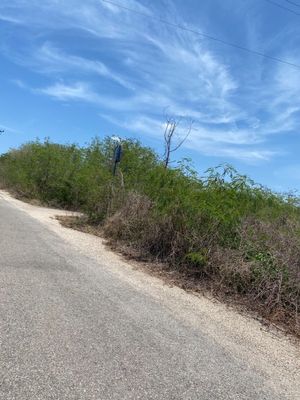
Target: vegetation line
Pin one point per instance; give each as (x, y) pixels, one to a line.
(222, 231)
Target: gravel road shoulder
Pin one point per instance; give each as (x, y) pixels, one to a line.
(274, 355)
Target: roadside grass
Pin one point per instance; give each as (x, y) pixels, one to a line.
(221, 231)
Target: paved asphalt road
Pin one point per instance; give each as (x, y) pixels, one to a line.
(70, 329)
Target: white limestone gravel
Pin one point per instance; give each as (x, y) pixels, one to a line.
(272, 354)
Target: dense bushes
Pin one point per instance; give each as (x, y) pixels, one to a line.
(224, 230)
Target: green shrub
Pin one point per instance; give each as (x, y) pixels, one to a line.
(241, 237)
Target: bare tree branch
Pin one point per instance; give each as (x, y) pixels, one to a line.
(169, 135)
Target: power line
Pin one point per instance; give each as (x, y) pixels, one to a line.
(204, 35)
(292, 2)
(282, 7)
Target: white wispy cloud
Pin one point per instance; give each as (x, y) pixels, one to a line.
(7, 18)
(20, 84)
(163, 68)
(76, 91)
(140, 124)
(9, 129)
(51, 59)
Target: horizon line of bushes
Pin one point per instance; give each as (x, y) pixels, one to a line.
(237, 237)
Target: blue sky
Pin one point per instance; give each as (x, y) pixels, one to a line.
(73, 69)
